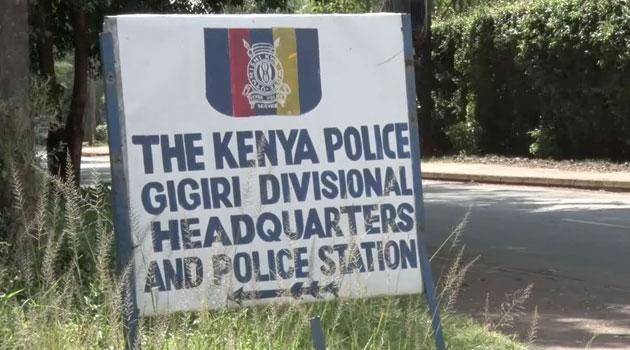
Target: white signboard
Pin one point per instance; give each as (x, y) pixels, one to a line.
(265, 158)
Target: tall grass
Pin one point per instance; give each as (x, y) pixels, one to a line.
(57, 291)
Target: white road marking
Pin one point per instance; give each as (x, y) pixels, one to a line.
(596, 223)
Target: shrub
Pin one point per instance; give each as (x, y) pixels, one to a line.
(101, 133)
(340, 6)
(550, 76)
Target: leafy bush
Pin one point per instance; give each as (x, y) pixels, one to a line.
(448, 8)
(547, 76)
(101, 133)
(340, 6)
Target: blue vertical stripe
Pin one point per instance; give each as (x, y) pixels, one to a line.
(218, 81)
(120, 195)
(308, 68)
(262, 36)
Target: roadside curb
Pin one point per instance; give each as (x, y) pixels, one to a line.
(587, 184)
(613, 186)
(95, 151)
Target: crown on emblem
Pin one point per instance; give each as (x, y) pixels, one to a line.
(261, 48)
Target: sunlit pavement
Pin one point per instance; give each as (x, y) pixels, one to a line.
(95, 170)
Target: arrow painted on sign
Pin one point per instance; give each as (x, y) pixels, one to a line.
(296, 291)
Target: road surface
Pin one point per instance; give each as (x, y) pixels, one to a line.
(94, 170)
(573, 245)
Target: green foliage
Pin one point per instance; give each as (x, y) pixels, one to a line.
(59, 15)
(464, 134)
(101, 133)
(544, 145)
(547, 76)
(447, 8)
(378, 323)
(341, 6)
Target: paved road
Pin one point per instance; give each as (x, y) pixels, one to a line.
(94, 170)
(573, 245)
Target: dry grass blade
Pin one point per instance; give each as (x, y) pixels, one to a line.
(103, 257)
(50, 258)
(512, 307)
(451, 275)
(456, 234)
(486, 311)
(17, 191)
(533, 329)
(455, 288)
(589, 344)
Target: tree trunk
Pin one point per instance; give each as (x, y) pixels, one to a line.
(16, 136)
(424, 86)
(14, 55)
(89, 120)
(46, 63)
(420, 11)
(44, 42)
(73, 135)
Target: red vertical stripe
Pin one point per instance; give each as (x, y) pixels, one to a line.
(238, 72)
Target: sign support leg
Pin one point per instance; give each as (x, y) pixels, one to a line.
(429, 289)
(318, 334)
(425, 266)
(120, 202)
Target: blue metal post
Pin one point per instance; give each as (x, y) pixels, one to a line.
(425, 267)
(318, 334)
(120, 202)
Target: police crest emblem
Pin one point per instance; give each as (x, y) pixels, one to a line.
(262, 71)
(266, 87)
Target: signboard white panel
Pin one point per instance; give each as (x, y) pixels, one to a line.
(267, 158)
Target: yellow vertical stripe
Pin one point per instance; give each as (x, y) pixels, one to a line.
(287, 54)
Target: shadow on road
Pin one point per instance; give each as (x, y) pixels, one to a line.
(573, 245)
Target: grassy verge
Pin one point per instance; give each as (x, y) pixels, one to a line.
(57, 291)
(380, 323)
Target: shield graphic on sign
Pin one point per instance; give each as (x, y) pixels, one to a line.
(262, 71)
